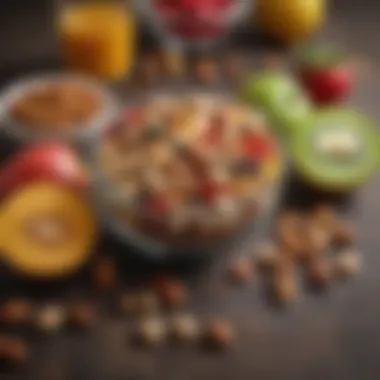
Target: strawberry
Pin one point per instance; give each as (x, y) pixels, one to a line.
(326, 76)
(256, 146)
(210, 190)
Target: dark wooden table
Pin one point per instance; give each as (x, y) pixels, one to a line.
(335, 336)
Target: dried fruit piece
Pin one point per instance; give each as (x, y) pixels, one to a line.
(206, 71)
(284, 281)
(320, 273)
(348, 263)
(50, 318)
(13, 351)
(80, 315)
(152, 331)
(171, 292)
(104, 275)
(343, 235)
(185, 328)
(15, 312)
(219, 334)
(241, 271)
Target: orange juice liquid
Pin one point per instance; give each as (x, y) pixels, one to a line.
(98, 38)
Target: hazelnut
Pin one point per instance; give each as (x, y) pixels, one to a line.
(80, 315)
(266, 256)
(319, 273)
(241, 271)
(13, 351)
(290, 232)
(234, 67)
(347, 264)
(185, 328)
(316, 241)
(219, 334)
(206, 71)
(173, 62)
(50, 318)
(152, 331)
(171, 292)
(343, 235)
(284, 281)
(325, 217)
(149, 68)
(15, 312)
(104, 275)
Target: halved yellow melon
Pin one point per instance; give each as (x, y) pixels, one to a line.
(46, 230)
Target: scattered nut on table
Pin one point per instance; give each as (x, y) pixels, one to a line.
(219, 334)
(206, 71)
(290, 232)
(104, 275)
(234, 66)
(171, 292)
(148, 70)
(266, 256)
(15, 312)
(326, 217)
(13, 351)
(284, 281)
(320, 273)
(152, 331)
(241, 271)
(81, 315)
(184, 328)
(343, 235)
(174, 63)
(316, 242)
(50, 318)
(348, 263)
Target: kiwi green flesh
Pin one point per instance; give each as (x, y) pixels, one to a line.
(334, 174)
(280, 97)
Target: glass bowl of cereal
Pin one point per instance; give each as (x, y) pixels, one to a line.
(180, 175)
(55, 106)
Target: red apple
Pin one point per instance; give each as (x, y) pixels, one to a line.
(43, 162)
(326, 76)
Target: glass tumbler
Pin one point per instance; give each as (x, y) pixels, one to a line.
(97, 37)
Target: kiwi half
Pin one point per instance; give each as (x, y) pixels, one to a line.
(338, 149)
(280, 97)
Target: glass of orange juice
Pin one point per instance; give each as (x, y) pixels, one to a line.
(97, 37)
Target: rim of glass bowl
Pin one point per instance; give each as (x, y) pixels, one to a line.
(101, 185)
(21, 131)
(240, 10)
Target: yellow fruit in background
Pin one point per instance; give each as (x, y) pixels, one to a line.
(290, 21)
